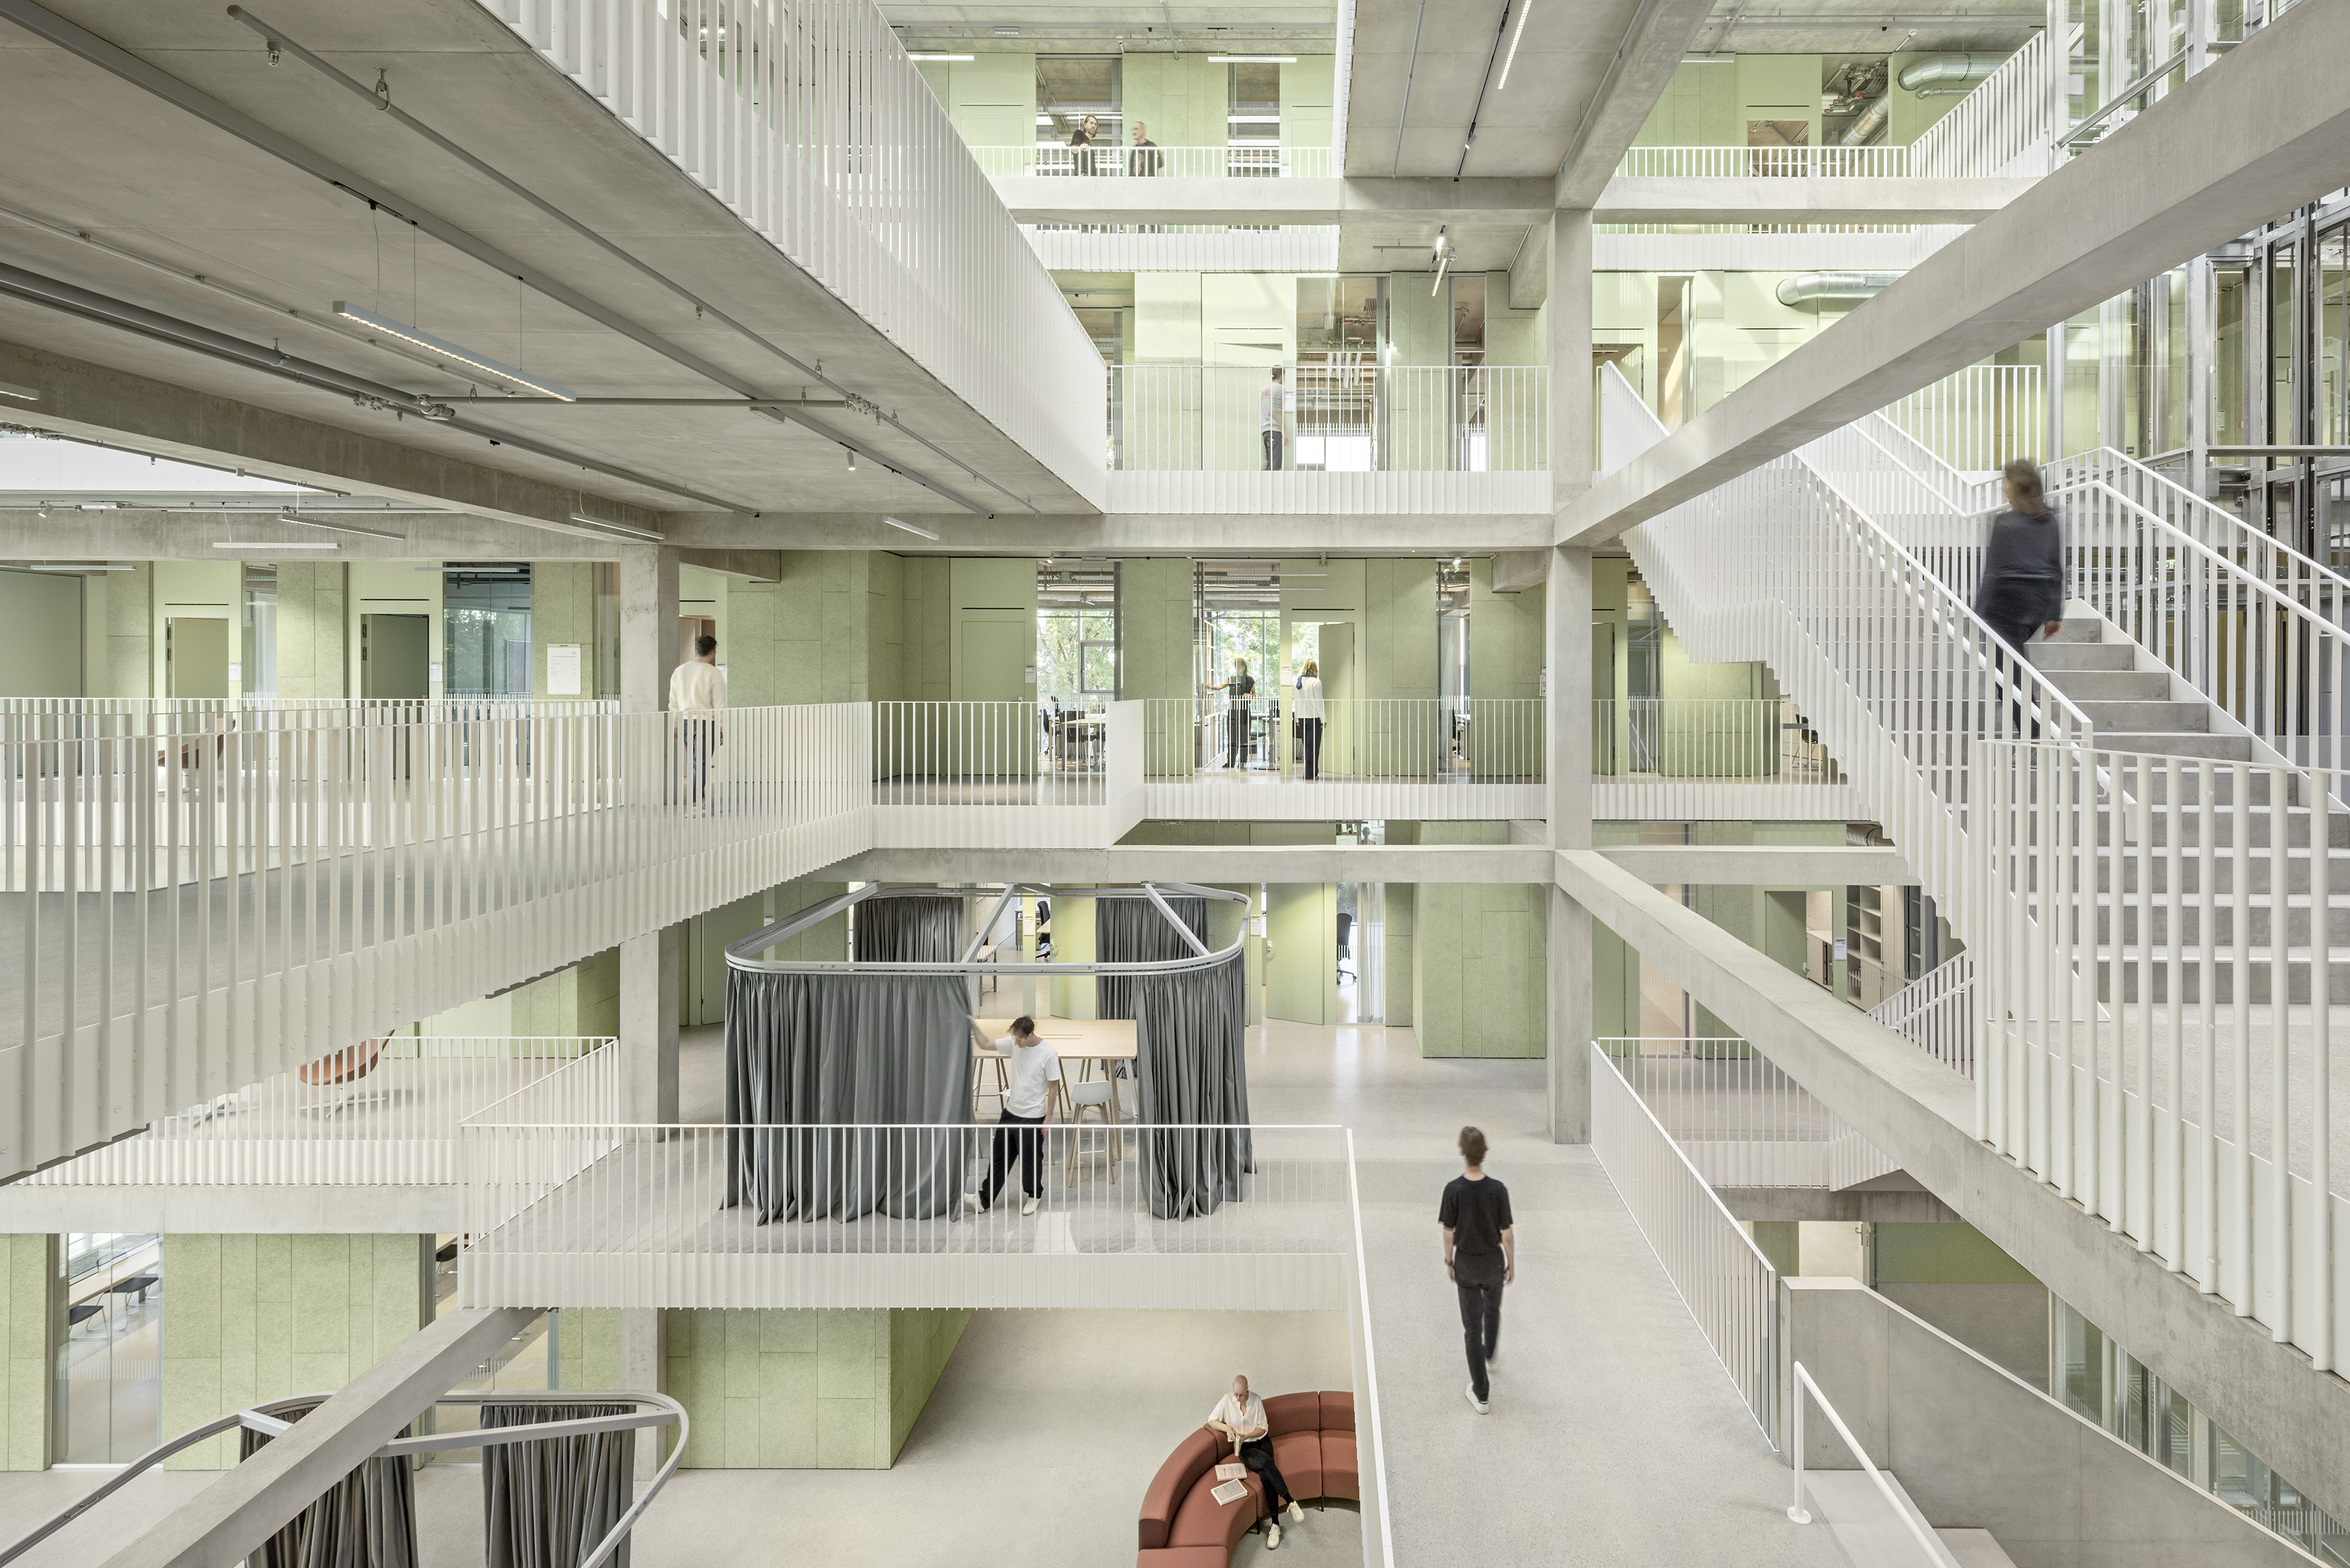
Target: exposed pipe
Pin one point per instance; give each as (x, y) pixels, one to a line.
(1870, 121)
(1949, 70)
(1804, 288)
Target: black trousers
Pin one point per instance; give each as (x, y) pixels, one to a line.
(1480, 1325)
(1236, 733)
(1273, 442)
(1011, 1130)
(1310, 735)
(1257, 1454)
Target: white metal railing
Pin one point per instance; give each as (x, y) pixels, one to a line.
(1882, 162)
(217, 898)
(1024, 753)
(1348, 413)
(2157, 973)
(382, 1113)
(811, 126)
(1921, 1534)
(605, 1214)
(1107, 161)
(1977, 418)
(2000, 128)
(1431, 740)
(355, 709)
(1708, 738)
(1899, 678)
(1739, 1119)
(1936, 1012)
(1729, 1286)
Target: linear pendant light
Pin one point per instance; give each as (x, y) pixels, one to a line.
(441, 346)
(631, 529)
(288, 514)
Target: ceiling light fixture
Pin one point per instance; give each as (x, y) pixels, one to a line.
(962, 57)
(275, 544)
(288, 514)
(441, 346)
(631, 530)
(80, 567)
(1252, 59)
(1524, 7)
(852, 458)
(909, 527)
(10, 390)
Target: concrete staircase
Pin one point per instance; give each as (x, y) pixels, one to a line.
(2129, 703)
(1872, 1532)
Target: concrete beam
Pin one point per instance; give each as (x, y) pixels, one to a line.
(1254, 534)
(2257, 134)
(1220, 864)
(1646, 56)
(1769, 1204)
(1761, 865)
(1921, 1116)
(1661, 201)
(229, 1519)
(84, 399)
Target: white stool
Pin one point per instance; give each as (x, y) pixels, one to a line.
(1100, 1097)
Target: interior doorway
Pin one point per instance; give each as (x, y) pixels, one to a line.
(195, 656)
(110, 1383)
(395, 656)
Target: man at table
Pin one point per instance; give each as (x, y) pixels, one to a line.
(1239, 1416)
(1031, 1068)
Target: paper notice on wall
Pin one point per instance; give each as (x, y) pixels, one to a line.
(563, 669)
(435, 675)
(1839, 949)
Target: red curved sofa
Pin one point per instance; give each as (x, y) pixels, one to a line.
(1182, 1524)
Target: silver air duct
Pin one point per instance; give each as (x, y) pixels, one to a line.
(1948, 71)
(1804, 288)
(1868, 122)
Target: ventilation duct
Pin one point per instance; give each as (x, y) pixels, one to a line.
(1867, 123)
(1804, 288)
(1949, 72)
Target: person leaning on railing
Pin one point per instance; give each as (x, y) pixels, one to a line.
(1081, 141)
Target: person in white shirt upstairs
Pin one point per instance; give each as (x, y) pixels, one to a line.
(1239, 1416)
(1309, 717)
(697, 691)
(1273, 420)
(1032, 1071)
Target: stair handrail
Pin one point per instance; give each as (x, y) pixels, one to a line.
(2226, 530)
(1919, 1531)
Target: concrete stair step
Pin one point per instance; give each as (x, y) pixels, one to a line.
(2171, 743)
(2111, 685)
(2055, 655)
(2144, 717)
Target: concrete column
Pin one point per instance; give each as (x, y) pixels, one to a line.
(648, 627)
(644, 1368)
(1570, 355)
(648, 1006)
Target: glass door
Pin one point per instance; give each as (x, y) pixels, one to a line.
(109, 1393)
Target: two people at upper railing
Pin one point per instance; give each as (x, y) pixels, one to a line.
(1144, 162)
(2022, 589)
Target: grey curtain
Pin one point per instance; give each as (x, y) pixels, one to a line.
(1190, 1036)
(367, 1519)
(910, 930)
(549, 1502)
(1132, 931)
(870, 1065)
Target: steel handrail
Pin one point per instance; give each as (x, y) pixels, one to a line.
(740, 953)
(1936, 1553)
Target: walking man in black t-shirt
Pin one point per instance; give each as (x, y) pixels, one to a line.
(1482, 1256)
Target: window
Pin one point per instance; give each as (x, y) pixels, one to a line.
(258, 674)
(1077, 633)
(1252, 119)
(1070, 89)
(486, 631)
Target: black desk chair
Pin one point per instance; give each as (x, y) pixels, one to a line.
(1346, 943)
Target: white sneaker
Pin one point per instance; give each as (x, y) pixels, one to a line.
(1027, 1206)
(1480, 1406)
(1273, 1536)
(971, 1202)
(1296, 1514)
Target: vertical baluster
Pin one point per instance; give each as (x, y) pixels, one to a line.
(2318, 1338)
(2279, 1184)
(2239, 1244)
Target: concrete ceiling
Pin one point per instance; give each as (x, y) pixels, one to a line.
(1860, 26)
(96, 154)
(1077, 26)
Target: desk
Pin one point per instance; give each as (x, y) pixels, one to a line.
(1085, 1041)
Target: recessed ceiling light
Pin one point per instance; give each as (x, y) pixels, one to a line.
(441, 346)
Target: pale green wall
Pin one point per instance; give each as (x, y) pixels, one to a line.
(396, 587)
(582, 1000)
(1182, 98)
(1156, 612)
(1074, 995)
(28, 1275)
(1480, 979)
(1776, 87)
(262, 1317)
(1301, 974)
(1308, 99)
(1399, 942)
(829, 629)
(989, 592)
(1167, 318)
(131, 633)
(41, 652)
(927, 622)
(1699, 108)
(990, 98)
(702, 998)
(312, 619)
(1396, 652)
(562, 610)
(195, 590)
(773, 1389)
(1505, 660)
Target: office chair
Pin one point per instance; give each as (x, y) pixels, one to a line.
(1346, 943)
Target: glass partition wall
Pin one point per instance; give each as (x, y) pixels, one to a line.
(109, 1365)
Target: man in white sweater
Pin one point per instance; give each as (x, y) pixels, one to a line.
(697, 693)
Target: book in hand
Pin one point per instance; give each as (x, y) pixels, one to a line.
(1231, 1492)
(1230, 1470)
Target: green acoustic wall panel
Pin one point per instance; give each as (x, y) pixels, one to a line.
(828, 630)
(1154, 622)
(806, 1390)
(130, 632)
(1301, 976)
(262, 1317)
(28, 1274)
(1480, 978)
(562, 614)
(313, 620)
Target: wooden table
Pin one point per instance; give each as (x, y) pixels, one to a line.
(1085, 1041)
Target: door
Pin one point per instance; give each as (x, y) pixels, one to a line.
(395, 656)
(1339, 739)
(998, 657)
(195, 656)
(1301, 971)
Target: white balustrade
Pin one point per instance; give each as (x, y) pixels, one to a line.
(1999, 129)
(1936, 1012)
(1730, 1287)
(1127, 161)
(1375, 758)
(2156, 955)
(1345, 414)
(1740, 1120)
(811, 124)
(1005, 774)
(1881, 161)
(1139, 1216)
(381, 1112)
(196, 902)
(1676, 759)
(1977, 418)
